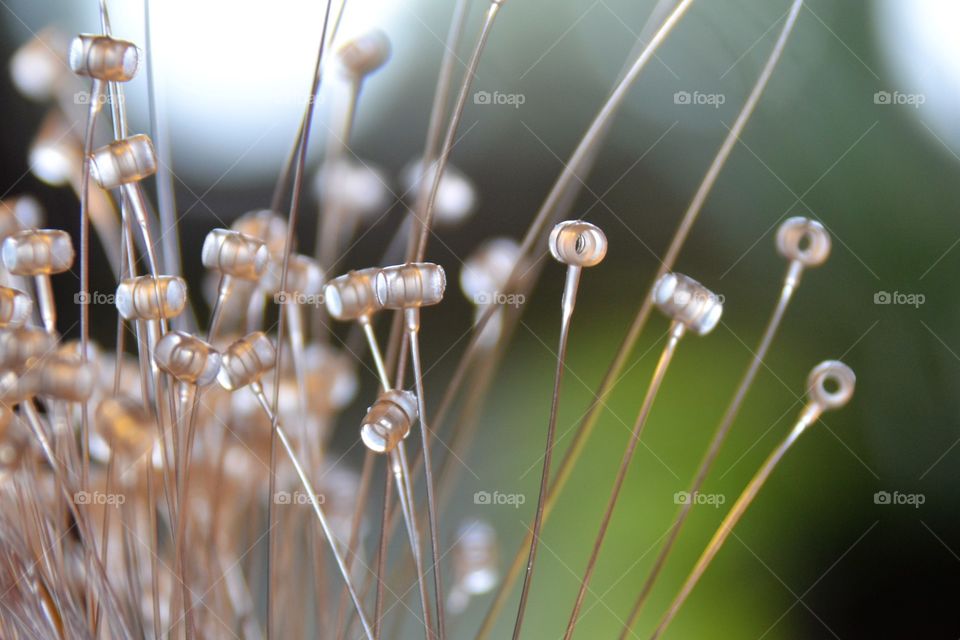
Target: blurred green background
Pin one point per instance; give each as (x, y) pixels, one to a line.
(816, 556)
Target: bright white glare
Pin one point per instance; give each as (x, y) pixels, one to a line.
(237, 76)
(921, 46)
(233, 76)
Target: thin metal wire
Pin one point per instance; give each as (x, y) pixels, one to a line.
(329, 227)
(810, 414)
(569, 299)
(96, 91)
(426, 435)
(676, 332)
(191, 399)
(382, 555)
(276, 201)
(401, 469)
(166, 196)
(719, 437)
(560, 199)
(612, 375)
(367, 325)
(366, 475)
(452, 127)
(441, 95)
(257, 390)
(426, 216)
(300, 155)
(399, 465)
(66, 487)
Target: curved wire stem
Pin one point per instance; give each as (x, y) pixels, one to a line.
(612, 375)
(276, 200)
(300, 156)
(450, 138)
(65, 484)
(399, 466)
(424, 216)
(166, 196)
(330, 227)
(96, 92)
(257, 390)
(582, 155)
(559, 201)
(191, 399)
(719, 437)
(440, 97)
(676, 332)
(45, 294)
(569, 300)
(401, 470)
(367, 325)
(808, 416)
(434, 526)
(382, 556)
(366, 476)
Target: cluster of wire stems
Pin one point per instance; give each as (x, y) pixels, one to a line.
(138, 498)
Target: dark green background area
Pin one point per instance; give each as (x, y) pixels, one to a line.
(814, 557)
